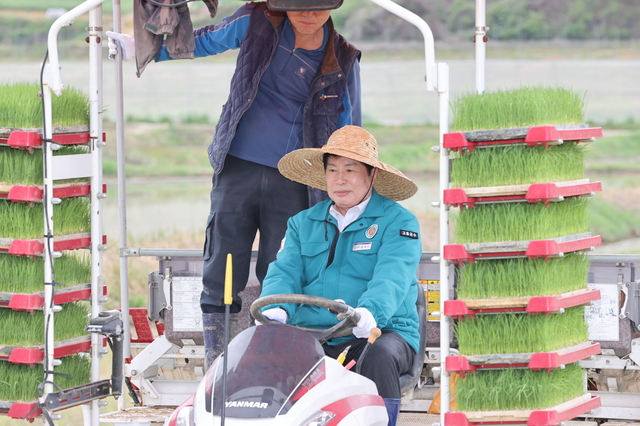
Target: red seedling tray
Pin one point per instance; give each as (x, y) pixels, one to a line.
(550, 417)
(32, 194)
(460, 309)
(35, 355)
(556, 247)
(29, 139)
(531, 136)
(20, 410)
(36, 247)
(532, 361)
(532, 193)
(34, 302)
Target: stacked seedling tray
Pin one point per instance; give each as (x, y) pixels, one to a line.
(520, 241)
(23, 240)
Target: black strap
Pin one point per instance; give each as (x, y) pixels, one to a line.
(332, 250)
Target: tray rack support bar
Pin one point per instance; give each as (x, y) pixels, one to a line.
(122, 200)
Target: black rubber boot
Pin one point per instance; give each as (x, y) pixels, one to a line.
(213, 325)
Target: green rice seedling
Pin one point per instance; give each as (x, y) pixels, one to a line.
(23, 329)
(521, 221)
(517, 165)
(24, 275)
(19, 167)
(21, 107)
(522, 107)
(19, 383)
(518, 277)
(511, 333)
(518, 389)
(21, 221)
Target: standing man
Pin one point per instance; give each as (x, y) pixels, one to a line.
(296, 81)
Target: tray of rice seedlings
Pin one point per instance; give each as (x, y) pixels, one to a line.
(21, 176)
(21, 110)
(20, 382)
(21, 333)
(515, 333)
(521, 285)
(21, 226)
(520, 279)
(516, 229)
(21, 281)
(518, 165)
(531, 115)
(517, 395)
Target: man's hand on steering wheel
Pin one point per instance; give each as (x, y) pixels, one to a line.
(347, 316)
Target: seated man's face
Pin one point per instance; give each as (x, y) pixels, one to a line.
(348, 182)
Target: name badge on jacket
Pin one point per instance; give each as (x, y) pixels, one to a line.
(362, 246)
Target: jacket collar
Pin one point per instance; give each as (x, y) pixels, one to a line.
(374, 209)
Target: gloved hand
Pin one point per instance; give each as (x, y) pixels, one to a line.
(125, 42)
(366, 323)
(276, 314)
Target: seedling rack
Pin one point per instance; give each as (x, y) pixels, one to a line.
(531, 136)
(547, 136)
(85, 171)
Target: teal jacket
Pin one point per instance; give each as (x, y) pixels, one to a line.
(374, 267)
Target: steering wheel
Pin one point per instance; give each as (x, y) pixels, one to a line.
(348, 316)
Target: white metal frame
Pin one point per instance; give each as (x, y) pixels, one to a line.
(54, 169)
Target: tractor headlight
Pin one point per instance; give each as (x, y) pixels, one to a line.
(321, 418)
(185, 416)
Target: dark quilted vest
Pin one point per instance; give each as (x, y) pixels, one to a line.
(256, 52)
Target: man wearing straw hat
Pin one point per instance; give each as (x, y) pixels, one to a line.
(360, 246)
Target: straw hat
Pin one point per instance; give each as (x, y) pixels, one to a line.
(306, 165)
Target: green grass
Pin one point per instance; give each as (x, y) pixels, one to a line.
(19, 383)
(21, 274)
(521, 333)
(523, 107)
(518, 277)
(521, 221)
(21, 221)
(518, 389)
(517, 164)
(26, 330)
(21, 108)
(612, 222)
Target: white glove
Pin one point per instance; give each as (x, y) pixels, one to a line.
(366, 323)
(275, 314)
(125, 42)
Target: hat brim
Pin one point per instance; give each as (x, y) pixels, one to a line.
(303, 5)
(306, 166)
